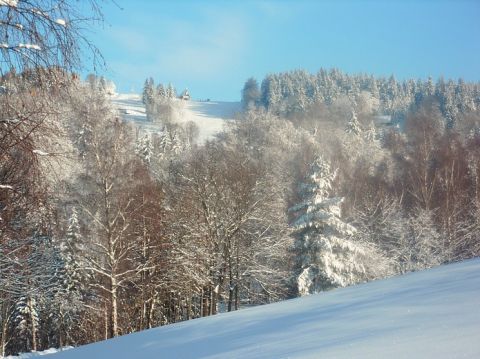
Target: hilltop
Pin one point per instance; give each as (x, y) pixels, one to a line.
(209, 116)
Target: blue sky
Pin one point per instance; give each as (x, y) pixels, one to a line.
(212, 47)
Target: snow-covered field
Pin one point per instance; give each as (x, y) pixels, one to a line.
(208, 116)
(429, 314)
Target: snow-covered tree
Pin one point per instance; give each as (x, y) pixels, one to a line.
(171, 92)
(371, 135)
(353, 126)
(148, 94)
(422, 246)
(250, 93)
(70, 250)
(27, 320)
(37, 283)
(144, 148)
(327, 256)
(67, 301)
(161, 93)
(106, 86)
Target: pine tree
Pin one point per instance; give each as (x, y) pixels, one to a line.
(353, 126)
(171, 91)
(161, 93)
(250, 93)
(27, 321)
(148, 92)
(70, 249)
(38, 284)
(429, 87)
(144, 148)
(326, 255)
(66, 303)
(371, 135)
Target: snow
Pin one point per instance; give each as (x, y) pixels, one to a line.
(40, 153)
(209, 116)
(61, 22)
(130, 106)
(37, 354)
(29, 46)
(12, 3)
(428, 314)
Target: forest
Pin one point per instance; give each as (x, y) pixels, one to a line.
(324, 180)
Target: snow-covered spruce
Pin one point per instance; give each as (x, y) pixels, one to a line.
(327, 255)
(144, 148)
(353, 126)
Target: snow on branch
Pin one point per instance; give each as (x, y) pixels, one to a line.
(11, 3)
(29, 46)
(41, 153)
(61, 22)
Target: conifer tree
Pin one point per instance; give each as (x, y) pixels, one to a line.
(353, 126)
(161, 92)
(70, 249)
(250, 93)
(148, 94)
(326, 254)
(171, 92)
(144, 148)
(27, 320)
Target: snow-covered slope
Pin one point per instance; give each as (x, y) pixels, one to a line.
(130, 107)
(209, 116)
(430, 314)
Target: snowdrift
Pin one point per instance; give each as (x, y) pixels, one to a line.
(429, 314)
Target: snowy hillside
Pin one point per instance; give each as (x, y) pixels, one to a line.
(209, 116)
(430, 314)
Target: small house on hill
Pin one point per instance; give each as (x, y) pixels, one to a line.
(185, 95)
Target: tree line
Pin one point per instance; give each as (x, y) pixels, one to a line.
(295, 92)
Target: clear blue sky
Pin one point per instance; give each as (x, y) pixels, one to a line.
(212, 47)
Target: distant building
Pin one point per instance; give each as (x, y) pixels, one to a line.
(387, 121)
(383, 120)
(185, 95)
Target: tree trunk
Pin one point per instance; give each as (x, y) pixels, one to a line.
(106, 321)
(230, 294)
(189, 306)
(205, 311)
(3, 344)
(237, 298)
(150, 313)
(213, 300)
(34, 326)
(114, 312)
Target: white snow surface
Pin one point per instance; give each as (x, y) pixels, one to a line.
(209, 116)
(429, 314)
(37, 354)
